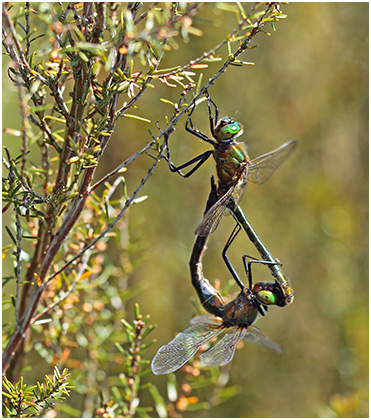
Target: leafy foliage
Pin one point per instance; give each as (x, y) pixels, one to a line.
(21, 400)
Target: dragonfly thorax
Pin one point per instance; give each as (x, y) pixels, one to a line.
(241, 311)
(227, 129)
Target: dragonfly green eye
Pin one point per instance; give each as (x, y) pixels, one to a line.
(229, 131)
(266, 297)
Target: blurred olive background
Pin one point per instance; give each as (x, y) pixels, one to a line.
(310, 82)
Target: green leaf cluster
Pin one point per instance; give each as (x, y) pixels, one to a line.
(20, 400)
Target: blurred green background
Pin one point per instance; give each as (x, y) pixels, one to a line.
(310, 82)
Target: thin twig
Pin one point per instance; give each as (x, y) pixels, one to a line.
(112, 224)
(45, 161)
(21, 62)
(27, 51)
(98, 27)
(144, 14)
(15, 174)
(144, 87)
(122, 165)
(133, 100)
(22, 101)
(112, 188)
(47, 130)
(17, 56)
(222, 69)
(18, 260)
(215, 49)
(65, 294)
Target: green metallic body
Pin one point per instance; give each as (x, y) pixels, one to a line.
(235, 319)
(241, 310)
(234, 170)
(229, 158)
(287, 293)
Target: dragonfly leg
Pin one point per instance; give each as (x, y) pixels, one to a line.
(190, 128)
(213, 196)
(213, 121)
(201, 159)
(226, 259)
(248, 265)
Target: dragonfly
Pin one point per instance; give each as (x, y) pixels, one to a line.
(233, 165)
(234, 318)
(267, 293)
(282, 293)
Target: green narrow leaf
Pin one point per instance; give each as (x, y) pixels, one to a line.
(242, 11)
(7, 395)
(229, 49)
(136, 117)
(151, 343)
(211, 60)
(167, 70)
(8, 385)
(116, 393)
(199, 83)
(125, 192)
(148, 330)
(40, 387)
(198, 406)
(48, 380)
(83, 56)
(137, 311)
(159, 402)
(11, 235)
(140, 199)
(172, 390)
(127, 325)
(166, 101)
(57, 374)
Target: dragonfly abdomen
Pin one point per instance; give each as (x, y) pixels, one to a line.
(210, 298)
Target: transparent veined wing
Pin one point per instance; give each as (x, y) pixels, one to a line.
(212, 217)
(223, 351)
(174, 355)
(255, 335)
(262, 167)
(206, 318)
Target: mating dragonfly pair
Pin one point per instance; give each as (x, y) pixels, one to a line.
(236, 318)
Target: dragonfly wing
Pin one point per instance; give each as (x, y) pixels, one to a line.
(212, 217)
(255, 335)
(223, 352)
(262, 167)
(200, 319)
(174, 355)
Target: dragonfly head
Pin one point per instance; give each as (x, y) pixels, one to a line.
(266, 293)
(227, 129)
